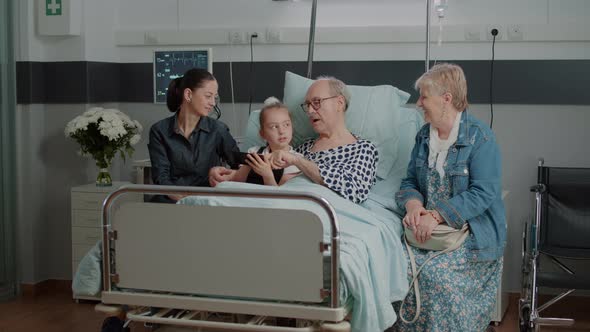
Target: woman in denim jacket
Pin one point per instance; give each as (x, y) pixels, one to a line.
(454, 177)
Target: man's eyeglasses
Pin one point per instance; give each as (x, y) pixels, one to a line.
(316, 104)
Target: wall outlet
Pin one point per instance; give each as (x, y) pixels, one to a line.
(514, 32)
(472, 33)
(273, 35)
(489, 29)
(236, 37)
(257, 36)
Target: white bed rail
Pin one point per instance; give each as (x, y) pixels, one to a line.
(109, 234)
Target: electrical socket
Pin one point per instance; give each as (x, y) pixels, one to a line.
(273, 35)
(514, 32)
(472, 32)
(235, 37)
(257, 34)
(489, 29)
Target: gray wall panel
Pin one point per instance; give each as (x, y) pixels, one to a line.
(553, 82)
(65, 82)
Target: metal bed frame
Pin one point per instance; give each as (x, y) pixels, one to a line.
(195, 310)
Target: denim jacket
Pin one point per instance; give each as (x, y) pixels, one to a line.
(474, 167)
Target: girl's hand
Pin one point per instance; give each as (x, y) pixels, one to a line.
(260, 165)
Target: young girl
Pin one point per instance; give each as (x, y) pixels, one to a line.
(276, 130)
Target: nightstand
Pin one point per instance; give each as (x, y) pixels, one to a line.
(86, 220)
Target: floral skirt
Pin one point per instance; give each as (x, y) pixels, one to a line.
(457, 294)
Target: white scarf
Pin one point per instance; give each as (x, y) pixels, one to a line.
(439, 148)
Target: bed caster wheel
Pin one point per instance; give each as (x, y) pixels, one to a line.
(114, 324)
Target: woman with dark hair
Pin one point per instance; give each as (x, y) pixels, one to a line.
(186, 145)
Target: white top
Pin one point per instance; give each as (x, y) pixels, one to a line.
(288, 170)
(439, 148)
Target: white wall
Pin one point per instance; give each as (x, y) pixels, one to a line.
(49, 165)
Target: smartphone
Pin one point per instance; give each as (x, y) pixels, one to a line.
(241, 157)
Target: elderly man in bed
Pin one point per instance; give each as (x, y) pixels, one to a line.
(336, 159)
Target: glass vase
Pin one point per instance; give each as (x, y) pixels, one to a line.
(103, 179)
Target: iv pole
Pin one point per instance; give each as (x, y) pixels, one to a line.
(427, 62)
(311, 37)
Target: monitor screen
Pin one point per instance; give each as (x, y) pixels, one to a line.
(170, 64)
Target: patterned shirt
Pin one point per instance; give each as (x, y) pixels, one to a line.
(349, 170)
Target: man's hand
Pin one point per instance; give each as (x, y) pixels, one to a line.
(282, 159)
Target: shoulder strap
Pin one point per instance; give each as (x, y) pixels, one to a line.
(415, 275)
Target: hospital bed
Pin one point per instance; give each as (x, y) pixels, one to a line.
(255, 258)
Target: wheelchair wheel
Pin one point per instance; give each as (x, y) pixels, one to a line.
(524, 322)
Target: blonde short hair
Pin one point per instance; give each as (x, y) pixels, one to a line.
(337, 88)
(445, 78)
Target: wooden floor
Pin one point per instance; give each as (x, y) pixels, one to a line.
(55, 311)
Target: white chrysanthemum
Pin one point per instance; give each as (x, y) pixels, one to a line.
(94, 118)
(105, 125)
(116, 122)
(70, 128)
(82, 123)
(134, 139)
(109, 116)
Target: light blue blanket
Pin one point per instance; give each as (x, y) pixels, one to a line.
(372, 264)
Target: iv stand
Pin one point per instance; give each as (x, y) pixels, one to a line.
(427, 62)
(311, 38)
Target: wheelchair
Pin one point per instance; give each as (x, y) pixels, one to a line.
(560, 230)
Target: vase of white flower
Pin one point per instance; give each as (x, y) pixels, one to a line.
(104, 179)
(102, 133)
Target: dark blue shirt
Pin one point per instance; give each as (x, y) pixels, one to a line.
(179, 161)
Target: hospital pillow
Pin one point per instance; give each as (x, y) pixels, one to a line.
(410, 122)
(373, 114)
(252, 137)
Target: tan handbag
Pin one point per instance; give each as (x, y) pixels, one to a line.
(443, 239)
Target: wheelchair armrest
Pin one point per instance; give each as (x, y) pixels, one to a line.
(539, 188)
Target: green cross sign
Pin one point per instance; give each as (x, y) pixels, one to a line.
(53, 7)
